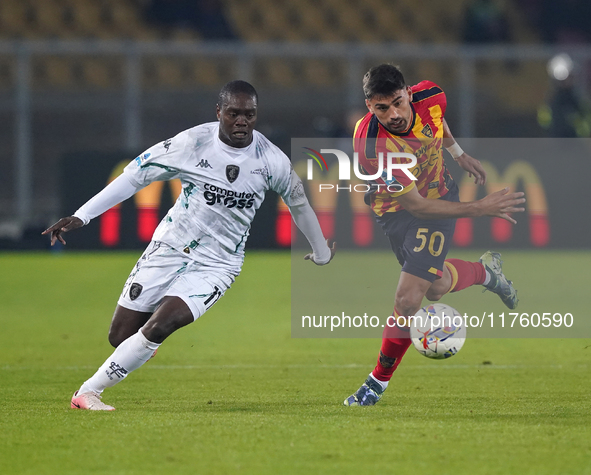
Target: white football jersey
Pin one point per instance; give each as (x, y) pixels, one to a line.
(223, 187)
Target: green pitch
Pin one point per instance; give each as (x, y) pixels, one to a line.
(234, 393)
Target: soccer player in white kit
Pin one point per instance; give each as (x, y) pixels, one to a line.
(197, 250)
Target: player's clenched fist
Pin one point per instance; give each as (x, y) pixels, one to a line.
(312, 257)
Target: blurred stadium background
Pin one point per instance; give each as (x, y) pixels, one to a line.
(85, 83)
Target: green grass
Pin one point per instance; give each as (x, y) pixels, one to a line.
(234, 393)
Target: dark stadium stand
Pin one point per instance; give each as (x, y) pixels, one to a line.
(367, 21)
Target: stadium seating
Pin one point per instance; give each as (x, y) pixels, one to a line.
(367, 21)
(254, 20)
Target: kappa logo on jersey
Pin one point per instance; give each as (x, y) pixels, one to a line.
(228, 198)
(166, 144)
(204, 164)
(232, 172)
(427, 132)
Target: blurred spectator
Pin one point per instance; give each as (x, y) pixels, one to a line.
(565, 22)
(566, 113)
(342, 128)
(204, 16)
(485, 21)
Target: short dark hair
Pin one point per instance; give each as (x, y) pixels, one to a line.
(236, 87)
(383, 80)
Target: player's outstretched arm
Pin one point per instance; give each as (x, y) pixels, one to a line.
(500, 204)
(114, 193)
(468, 163)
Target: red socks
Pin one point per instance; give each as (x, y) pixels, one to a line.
(393, 348)
(397, 340)
(464, 273)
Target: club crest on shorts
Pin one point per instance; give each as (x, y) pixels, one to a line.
(135, 291)
(232, 172)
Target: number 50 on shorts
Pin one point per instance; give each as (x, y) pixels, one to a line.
(435, 240)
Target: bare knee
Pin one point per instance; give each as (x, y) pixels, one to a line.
(408, 305)
(168, 318)
(409, 294)
(118, 335)
(158, 330)
(125, 323)
(115, 337)
(434, 295)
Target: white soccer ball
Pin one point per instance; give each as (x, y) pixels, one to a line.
(438, 331)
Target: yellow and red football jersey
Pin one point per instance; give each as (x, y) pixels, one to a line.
(424, 139)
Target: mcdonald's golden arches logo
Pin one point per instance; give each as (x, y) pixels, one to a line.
(501, 230)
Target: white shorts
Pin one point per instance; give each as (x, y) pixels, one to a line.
(163, 271)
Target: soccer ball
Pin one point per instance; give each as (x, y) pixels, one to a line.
(438, 331)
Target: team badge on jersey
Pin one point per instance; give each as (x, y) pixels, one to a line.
(427, 132)
(232, 172)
